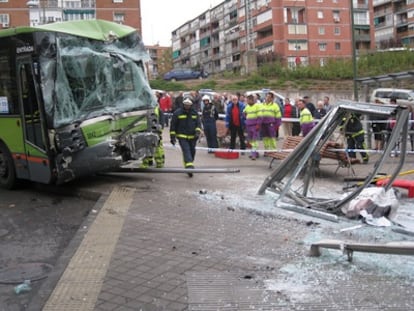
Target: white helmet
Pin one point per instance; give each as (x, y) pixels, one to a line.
(187, 101)
(205, 97)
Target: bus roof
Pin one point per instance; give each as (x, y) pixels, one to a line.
(93, 29)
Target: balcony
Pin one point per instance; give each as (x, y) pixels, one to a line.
(233, 36)
(217, 56)
(362, 37)
(264, 41)
(297, 29)
(380, 2)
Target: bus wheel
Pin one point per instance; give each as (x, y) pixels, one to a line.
(7, 172)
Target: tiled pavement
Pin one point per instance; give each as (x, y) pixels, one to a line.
(158, 243)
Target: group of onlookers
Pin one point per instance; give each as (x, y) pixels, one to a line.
(251, 119)
(298, 116)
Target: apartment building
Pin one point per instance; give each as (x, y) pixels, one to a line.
(35, 12)
(160, 62)
(394, 23)
(297, 32)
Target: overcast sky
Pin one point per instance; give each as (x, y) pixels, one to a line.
(161, 17)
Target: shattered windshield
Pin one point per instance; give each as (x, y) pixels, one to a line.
(94, 78)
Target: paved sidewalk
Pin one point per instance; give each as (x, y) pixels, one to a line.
(169, 242)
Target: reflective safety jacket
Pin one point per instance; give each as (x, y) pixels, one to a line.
(270, 113)
(305, 116)
(252, 114)
(185, 124)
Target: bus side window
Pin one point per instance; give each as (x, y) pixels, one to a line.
(31, 108)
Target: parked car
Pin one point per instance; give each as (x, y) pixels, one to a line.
(184, 74)
(403, 96)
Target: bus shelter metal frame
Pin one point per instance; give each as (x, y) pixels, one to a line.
(302, 159)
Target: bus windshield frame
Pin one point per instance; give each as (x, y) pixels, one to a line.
(91, 77)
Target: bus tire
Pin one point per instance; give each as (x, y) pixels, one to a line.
(7, 172)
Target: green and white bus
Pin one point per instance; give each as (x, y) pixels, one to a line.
(74, 100)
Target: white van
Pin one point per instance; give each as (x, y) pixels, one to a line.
(403, 96)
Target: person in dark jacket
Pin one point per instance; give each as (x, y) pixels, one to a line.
(308, 104)
(178, 101)
(209, 116)
(354, 133)
(235, 122)
(320, 111)
(186, 127)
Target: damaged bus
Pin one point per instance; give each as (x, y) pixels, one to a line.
(74, 100)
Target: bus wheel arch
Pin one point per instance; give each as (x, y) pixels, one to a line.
(7, 172)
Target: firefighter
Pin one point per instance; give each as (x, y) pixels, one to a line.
(354, 133)
(186, 127)
(209, 117)
(159, 154)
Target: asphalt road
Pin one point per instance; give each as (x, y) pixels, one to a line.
(36, 225)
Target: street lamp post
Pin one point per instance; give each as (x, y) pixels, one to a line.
(354, 60)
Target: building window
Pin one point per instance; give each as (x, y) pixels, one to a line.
(321, 30)
(118, 1)
(322, 62)
(337, 46)
(320, 14)
(336, 17)
(4, 1)
(337, 31)
(322, 46)
(297, 45)
(4, 19)
(119, 18)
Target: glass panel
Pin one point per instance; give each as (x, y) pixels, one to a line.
(93, 78)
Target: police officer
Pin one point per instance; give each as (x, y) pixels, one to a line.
(186, 127)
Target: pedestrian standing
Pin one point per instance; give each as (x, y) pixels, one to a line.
(209, 117)
(320, 111)
(305, 118)
(379, 127)
(326, 104)
(288, 112)
(311, 107)
(217, 102)
(270, 119)
(251, 113)
(165, 103)
(186, 127)
(235, 122)
(178, 101)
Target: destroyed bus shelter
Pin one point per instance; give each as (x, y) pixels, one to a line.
(302, 162)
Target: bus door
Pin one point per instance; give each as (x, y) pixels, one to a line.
(33, 123)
